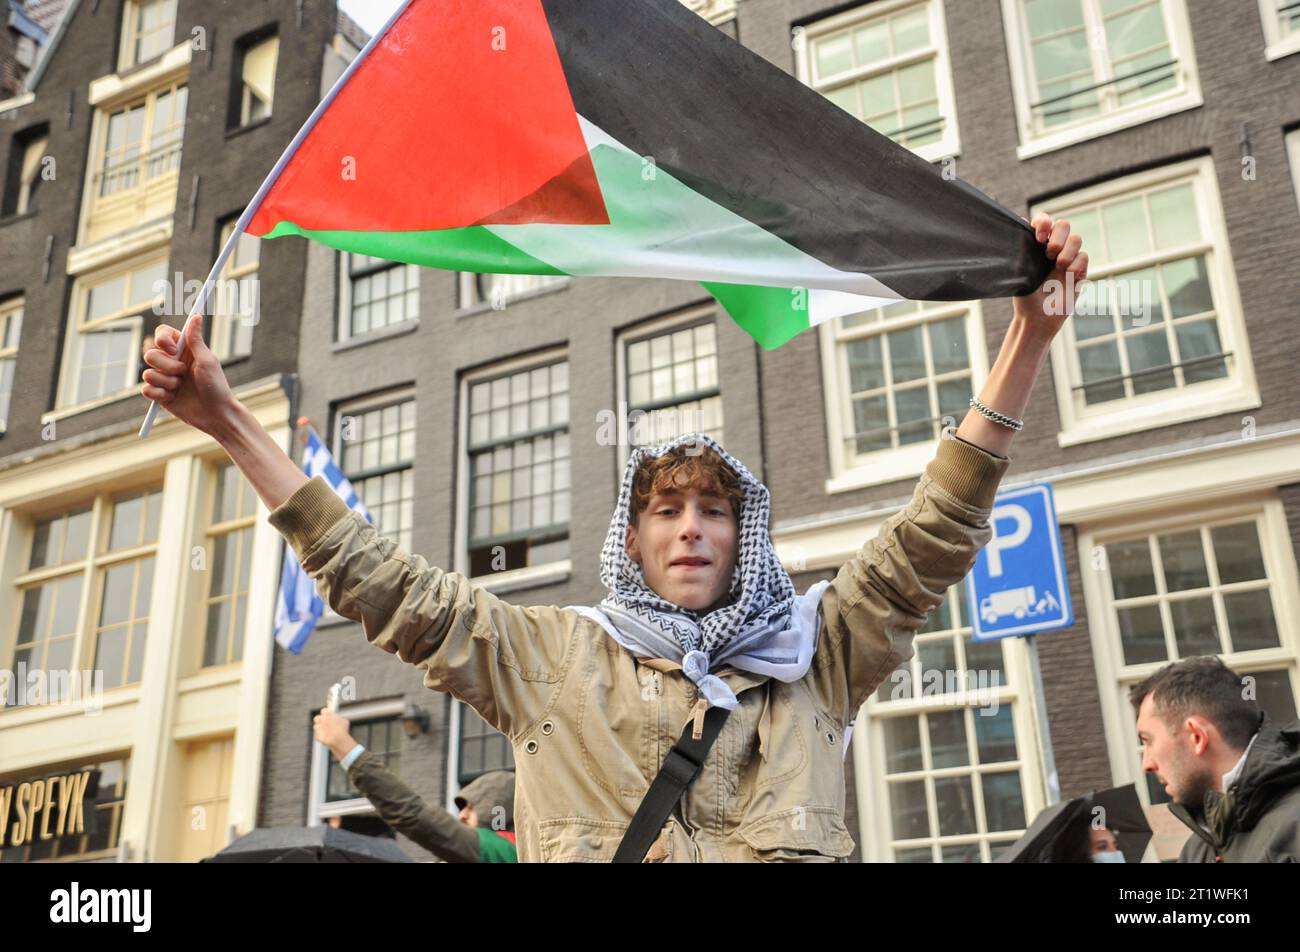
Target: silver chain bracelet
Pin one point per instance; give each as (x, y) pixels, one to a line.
(996, 417)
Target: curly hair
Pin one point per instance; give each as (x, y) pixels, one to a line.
(679, 469)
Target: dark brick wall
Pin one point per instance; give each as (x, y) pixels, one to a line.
(228, 169)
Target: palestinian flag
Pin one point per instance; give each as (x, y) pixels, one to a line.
(631, 139)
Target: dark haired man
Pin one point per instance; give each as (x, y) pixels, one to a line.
(1233, 774)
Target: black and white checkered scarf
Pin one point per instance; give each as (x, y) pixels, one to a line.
(766, 628)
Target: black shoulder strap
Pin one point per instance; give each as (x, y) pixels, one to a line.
(679, 769)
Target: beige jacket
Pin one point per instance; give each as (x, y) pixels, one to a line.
(590, 724)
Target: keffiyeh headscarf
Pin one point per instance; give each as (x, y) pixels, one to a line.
(765, 628)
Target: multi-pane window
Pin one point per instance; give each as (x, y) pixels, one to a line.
(229, 551)
(103, 822)
(1158, 325)
(148, 28)
(126, 584)
(1162, 332)
(90, 569)
(945, 727)
(498, 289)
(379, 293)
(257, 72)
(237, 299)
(518, 447)
(381, 737)
(51, 595)
(142, 141)
(1281, 26)
(376, 443)
(11, 325)
(887, 65)
(205, 799)
(104, 332)
(482, 749)
(906, 367)
(1079, 63)
(672, 378)
(1206, 588)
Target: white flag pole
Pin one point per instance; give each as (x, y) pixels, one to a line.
(252, 207)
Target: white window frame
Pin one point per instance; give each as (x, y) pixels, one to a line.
(1114, 677)
(1178, 29)
(126, 50)
(529, 576)
(223, 324)
(871, 769)
(1277, 43)
(318, 811)
(153, 197)
(350, 408)
(949, 145)
(231, 528)
(11, 317)
(650, 329)
(1161, 408)
(344, 324)
(886, 466)
(468, 298)
(132, 318)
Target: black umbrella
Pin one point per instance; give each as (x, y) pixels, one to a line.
(309, 844)
(1122, 813)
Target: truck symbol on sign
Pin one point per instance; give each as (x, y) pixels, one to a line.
(1015, 601)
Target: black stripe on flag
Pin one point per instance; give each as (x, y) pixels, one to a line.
(754, 139)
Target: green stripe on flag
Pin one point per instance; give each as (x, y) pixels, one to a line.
(771, 316)
(457, 249)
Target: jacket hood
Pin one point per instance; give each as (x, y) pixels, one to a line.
(486, 793)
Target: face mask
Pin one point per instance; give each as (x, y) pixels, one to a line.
(1115, 857)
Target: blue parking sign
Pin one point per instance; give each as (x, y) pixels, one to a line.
(1018, 585)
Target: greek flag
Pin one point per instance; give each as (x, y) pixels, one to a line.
(299, 607)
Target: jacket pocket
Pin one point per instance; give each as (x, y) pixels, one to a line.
(799, 835)
(579, 840)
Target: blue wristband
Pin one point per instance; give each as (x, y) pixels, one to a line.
(351, 757)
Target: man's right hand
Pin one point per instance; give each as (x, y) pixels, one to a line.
(193, 388)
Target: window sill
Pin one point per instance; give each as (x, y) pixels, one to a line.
(1184, 408)
(140, 77)
(1113, 122)
(1284, 47)
(885, 467)
(213, 676)
(255, 124)
(534, 576)
(62, 413)
(15, 218)
(370, 337)
(35, 713)
(483, 306)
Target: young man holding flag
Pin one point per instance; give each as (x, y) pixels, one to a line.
(700, 619)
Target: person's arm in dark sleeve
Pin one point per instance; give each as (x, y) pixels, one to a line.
(401, 808)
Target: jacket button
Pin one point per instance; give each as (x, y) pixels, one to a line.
(547, 727)
(531, 747)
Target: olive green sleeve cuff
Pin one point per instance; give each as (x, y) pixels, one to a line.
(968, 472)
(308, 514)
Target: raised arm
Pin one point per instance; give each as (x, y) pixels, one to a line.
(880, 598)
